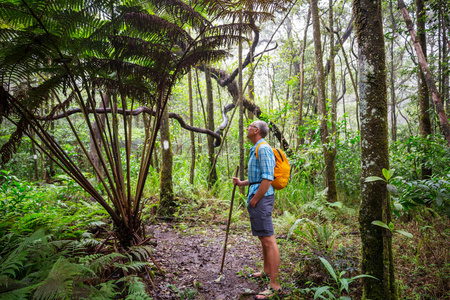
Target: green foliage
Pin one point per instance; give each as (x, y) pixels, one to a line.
(408, 155)
(320, 237)
(185, 294)
(434, 192)
(390, 227)
(341, 284)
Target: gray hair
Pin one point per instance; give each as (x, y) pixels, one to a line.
(263, 128)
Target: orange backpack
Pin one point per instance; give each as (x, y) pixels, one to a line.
(282, 170)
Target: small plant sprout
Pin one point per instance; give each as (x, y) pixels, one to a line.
(342, 283)
(390, 227)
(388, 177)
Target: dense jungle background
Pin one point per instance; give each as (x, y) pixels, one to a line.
(123, 122)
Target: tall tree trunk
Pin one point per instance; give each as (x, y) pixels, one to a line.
(330, 173)
(300, 71)
(445, 61)
(424, 98)
(191, 123)
(167, 204)
(332, 188)
(241, 116)
(210, 120)
(427, 73)
(392, 78)
(376, 241)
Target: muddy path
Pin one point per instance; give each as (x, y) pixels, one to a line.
(192, 255)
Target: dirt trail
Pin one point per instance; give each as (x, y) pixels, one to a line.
(192, 256)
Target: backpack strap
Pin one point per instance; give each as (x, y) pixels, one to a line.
(256, 153)
(256, 150)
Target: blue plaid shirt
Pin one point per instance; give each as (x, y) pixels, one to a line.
(259, 169)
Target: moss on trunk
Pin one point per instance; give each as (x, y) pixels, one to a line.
(376, 242)
(167, 204)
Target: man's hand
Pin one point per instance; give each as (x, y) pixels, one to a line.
(238, 182)
(253, 202)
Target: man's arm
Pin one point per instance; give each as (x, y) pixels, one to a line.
(238, 182)
(262, 190)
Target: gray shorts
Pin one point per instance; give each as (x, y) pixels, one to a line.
(261, 216)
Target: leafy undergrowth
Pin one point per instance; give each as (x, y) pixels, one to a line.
(55, 244)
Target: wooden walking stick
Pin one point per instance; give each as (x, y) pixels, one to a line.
(229, 220)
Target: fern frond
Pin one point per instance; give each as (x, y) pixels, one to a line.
(156, 29)
(135, 287)
(104, 291)
(59, 283)
(17, 293)
(142, 253)
(96, 262)
(13, 261)
(134, 266)
(180, 12)
(195, 58)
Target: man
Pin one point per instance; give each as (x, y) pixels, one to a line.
(260, 201)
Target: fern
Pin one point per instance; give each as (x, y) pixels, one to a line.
(96, 262)
(59, 283)
(135, 287)
(13, 263)
(134, 266)
(142, 253)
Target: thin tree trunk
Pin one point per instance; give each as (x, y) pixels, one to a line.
(301, 72)
(191, 123)
(332, 188)
(427, 73)
(424, 98)
(212, 178)
(445, 60)
(392, 78)
(330, 173)
(167, 204)
(241, 117)
(377, 259)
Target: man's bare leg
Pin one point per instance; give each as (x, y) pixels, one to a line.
(271, 256)
(266, 268)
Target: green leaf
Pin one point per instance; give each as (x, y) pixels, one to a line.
(373, 178)
(405, 233)
(387, 174)
(391, 226)
(363, 276)
(344, 284)
(381, 224)
(329, 268)
(337, 204)
(320, 291)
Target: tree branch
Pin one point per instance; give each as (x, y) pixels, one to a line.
(137, 111)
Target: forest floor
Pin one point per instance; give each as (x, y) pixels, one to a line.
(190, 249)
(192, 255)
